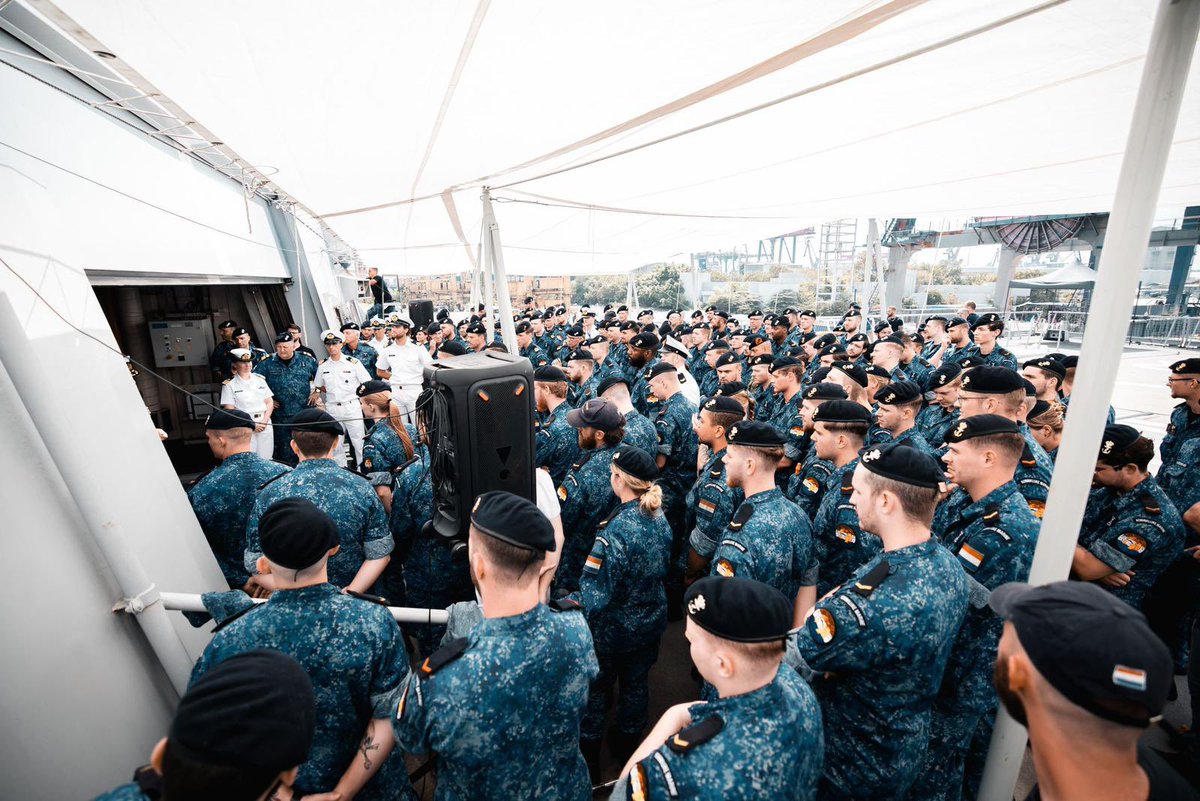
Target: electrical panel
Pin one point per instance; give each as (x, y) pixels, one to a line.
(182, 343)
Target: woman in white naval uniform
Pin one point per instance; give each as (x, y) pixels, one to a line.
(248, 391)
(338, 379)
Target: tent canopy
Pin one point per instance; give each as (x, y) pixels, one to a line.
(1073, 276)
(621, 133)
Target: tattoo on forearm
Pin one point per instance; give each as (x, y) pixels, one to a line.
(368, 745)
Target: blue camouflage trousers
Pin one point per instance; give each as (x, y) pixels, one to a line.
(629, 669)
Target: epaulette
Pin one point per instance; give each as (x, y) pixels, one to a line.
(443, 656)
(234, 617)
(200, 478)
(352, 359)
(584, 457)
(696, 734)
(565, 605)
(1151, 504)
(271, 480)
(847, 483)
(149, 781)
(603, 523)
(227, 380)
(743, 514)
(715, 473)
(875, 576)
(1027, 459)
(401, 468)
(363, 596)
(991, 515)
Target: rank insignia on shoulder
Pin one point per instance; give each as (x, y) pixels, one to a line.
(696, 734)
(565, 605)
(725, 568)
(741, 516)
(824, 625)
(1027, 457)
(442, 657)
(271, 480)
(847, 487)
(714, 473)
(227, 380)
(991, 515)
(362, 596)
(871, 581)
(1150, 504)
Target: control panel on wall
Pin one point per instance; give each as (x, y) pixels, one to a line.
(181, 343)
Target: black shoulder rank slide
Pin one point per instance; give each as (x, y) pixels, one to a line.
(565, 605)
(1027, 457)
(1150, 504)
(743, 514)
(443, 656)
(583, 459)
(234, 617)
(401, 468)
(876, 576)
(362, 596)
(715, 473)
(847, 486)
(991, 515)
(696, 734)
(272, 480)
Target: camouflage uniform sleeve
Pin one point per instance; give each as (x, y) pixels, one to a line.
(793, 446)
(411, 717)
(391, 666)
(377, 537)
(838, 635)
(990, 559)
(732, 558)
(544, 447)
(253, 547)
(714, 508)
(653, 778)
(810, 488)
(665, 428)
(1124, 544)
(602, 572)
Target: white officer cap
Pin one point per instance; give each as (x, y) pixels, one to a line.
(400, 319)
(331, 337)
(241, 355)
(671, 343)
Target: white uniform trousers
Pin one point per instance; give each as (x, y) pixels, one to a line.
(262, 442)
(349, 414)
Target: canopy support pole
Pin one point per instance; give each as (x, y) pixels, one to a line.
(495, 270)
(1154, 118)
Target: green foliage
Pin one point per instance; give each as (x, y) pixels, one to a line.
(659, 287)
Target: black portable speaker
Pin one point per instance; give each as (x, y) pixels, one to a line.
(421, 313)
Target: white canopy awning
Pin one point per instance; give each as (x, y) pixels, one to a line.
(932, 108)
(1073, 276)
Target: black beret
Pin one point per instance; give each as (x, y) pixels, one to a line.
(784, 361)
(877, 371)
(981, 425)
(809, 337)
(635, 461)
(1185, 367)
(971, 362)
(893, 339)
(842, 411)
(596, 413)
(991, 318)
(549, 374)
(882, 324)
(575, 331)
(856, 374)
(731, 388)
(899, 392)
(1117, 439)
(1070, 361)
(1030, 389)
(645, 341)
(720, 404)
(755, 434)
(453, 347)
(477, 328)
(789, 310)
(561, 310)
(819, 375)
(661, 368)
(762, 358)
(902, 462)
(622, 308)
(596, 340)
(825, 390)
(953, 321)
(1040, 407)
(513, 519)
(944, 375)
(228, 324)
(739, 609)
(722, 314)
(284, 336)
(831, 350)
(645, 312)
(992, 380)
(432, 329)
(780, 321)
(823, 340)
(372, 386)
(351, 326)
(727, 359)
(856, 338)
(809, 313)
(1055, 366)
(717, 344)
(523, 327)
(755, 313)
(579, 355)
(852, 313)
(609, 383)
(938, 317)
(225, 419)
(314, 419)
(295, 534)
(754, 340)
(254, 710)
(238, 332)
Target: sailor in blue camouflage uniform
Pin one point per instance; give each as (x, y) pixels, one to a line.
(383, 449)
(806, 486)
(290, 375)
(639, 429)
(528, 348)
(623, 597)
(347, 497)
(768, 538)
(941, 412)
(711, 502)
(786, 375)
(676, 452)
(586, 493)
(222, 498)
(993, 538)
(897, 407)
(762, 737)
(840, 541)
(761, 387)
(876, 647)
(502, 707)
(989, 389)
(643, 355)
(986, 331)
(351, 649)
(960, 345)
(250, 719)
(580, 367)
(571, 342)
(557, 443)
(1132, 526)
(354, 346)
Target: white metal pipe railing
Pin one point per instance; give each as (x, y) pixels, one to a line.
(191, 602)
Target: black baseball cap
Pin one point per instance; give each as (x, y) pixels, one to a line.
(1092, 647)
(596, 413)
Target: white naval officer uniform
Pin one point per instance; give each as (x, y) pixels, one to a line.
(406, 365)
(253, 396)
(341, 379)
